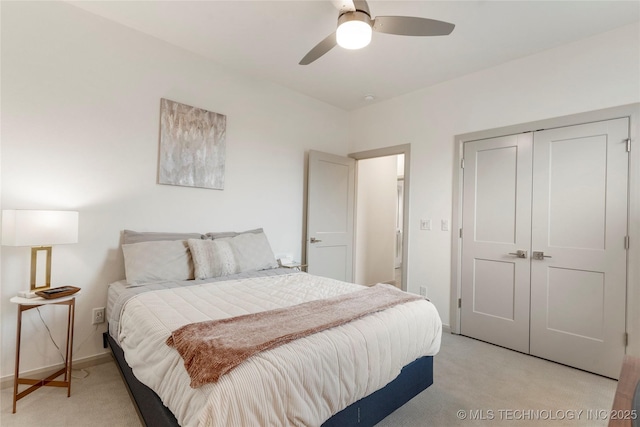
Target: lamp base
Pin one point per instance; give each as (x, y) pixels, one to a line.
(36, 284)
(27, 294)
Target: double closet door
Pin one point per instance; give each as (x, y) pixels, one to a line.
(544, 238)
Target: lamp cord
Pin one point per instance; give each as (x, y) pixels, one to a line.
(49, 331)
(86, 373)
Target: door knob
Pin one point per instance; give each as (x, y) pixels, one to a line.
(519, 253)
(539, 255)
(314, 240)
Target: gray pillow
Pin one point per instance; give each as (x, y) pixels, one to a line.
(224, 234)
(157, 261)
(152, 236)
(252, 251)
(230, 253)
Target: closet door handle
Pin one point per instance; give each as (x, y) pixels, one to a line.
(539, 255)
(519, 253)
(314, 240)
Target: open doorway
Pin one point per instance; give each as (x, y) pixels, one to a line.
(330, 242)
(399, 220)
(378, 225)
(389, 170)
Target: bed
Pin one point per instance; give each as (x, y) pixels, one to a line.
(352, 374)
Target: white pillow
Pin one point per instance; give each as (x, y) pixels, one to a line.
(157, 261)
(212, 258)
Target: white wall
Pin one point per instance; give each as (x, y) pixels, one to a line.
(377, 182)
(80, 121)
(595, 73)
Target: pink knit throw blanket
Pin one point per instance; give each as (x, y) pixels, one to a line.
(211, 349)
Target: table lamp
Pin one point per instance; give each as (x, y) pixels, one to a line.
(39, 229)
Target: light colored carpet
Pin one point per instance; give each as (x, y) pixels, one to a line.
(100, 399)
(491, 384)
(500, 387)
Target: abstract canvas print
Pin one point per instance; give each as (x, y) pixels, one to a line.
(192, 146)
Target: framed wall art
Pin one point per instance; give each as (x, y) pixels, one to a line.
(192, 146)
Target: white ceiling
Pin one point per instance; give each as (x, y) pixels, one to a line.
(267, 39)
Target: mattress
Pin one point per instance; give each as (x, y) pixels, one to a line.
(301, 383)
(119, 292)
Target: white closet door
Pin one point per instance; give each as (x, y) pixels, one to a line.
(579, 223)
(496, 225)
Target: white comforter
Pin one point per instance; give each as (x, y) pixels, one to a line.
(301, 383)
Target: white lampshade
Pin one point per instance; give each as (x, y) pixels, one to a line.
(353, 34)
(39, 228)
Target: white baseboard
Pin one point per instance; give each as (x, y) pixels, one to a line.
(77, 364)
(446, 328)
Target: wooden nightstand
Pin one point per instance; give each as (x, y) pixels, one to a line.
(25, 304)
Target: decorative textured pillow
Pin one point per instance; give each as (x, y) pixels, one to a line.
(212, 258)
(152, 236)
(157, 260)
(252, 251)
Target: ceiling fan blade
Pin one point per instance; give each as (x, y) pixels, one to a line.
(411, 26)
(343, 5)
(362, 6)
(320, 49)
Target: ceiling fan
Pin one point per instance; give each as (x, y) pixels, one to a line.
(355, 26)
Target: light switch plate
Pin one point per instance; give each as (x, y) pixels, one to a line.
(445, 225)
(425, 224)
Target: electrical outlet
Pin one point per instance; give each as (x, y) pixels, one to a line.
(98, 315)
(423, 291)
(425, 224)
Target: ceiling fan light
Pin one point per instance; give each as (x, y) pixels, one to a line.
(353, 34)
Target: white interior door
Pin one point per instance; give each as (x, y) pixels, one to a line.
(330, 215)
(578, 289)
(496, 225)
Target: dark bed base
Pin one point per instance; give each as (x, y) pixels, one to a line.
(151, 410)
(370, 410)
(414, 378)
